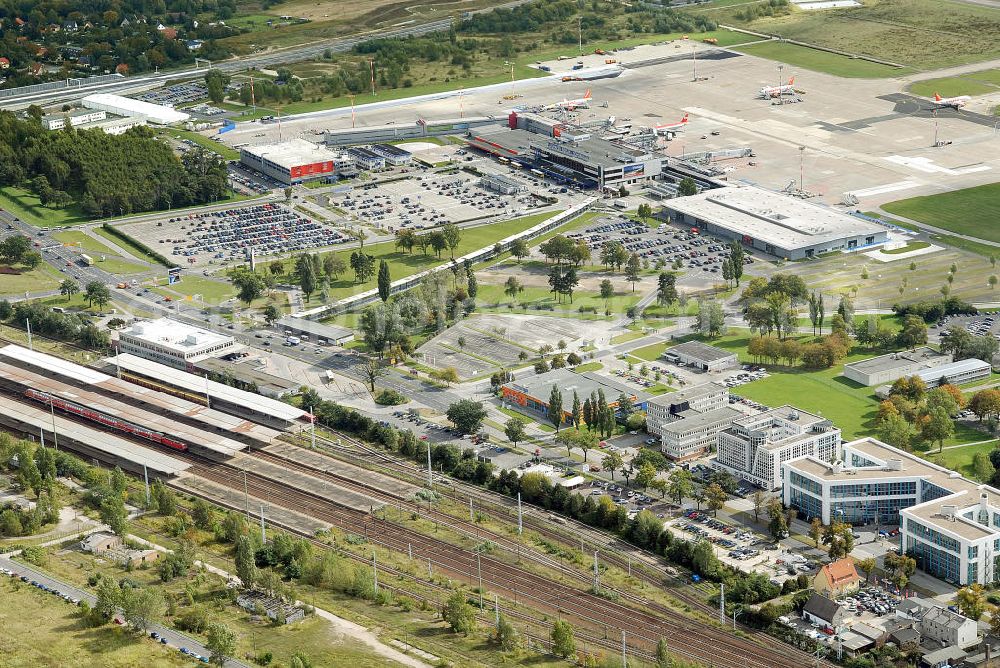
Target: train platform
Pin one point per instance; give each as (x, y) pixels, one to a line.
(315, 460)
(98, 408)
(248, 405)
(309, 484)
(236, 500)
(86, 441)
(194, 413)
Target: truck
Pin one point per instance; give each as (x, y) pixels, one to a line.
(293, 340)
(86, 260)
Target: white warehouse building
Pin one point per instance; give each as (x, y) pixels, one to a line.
(173, 343)
(156, 114)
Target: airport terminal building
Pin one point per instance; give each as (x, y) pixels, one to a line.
(774, 223)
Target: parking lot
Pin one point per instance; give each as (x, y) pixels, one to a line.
(171, 96)
(978, 325)
(665, 245)
(736, 546)
(428, 201)
(220, 236)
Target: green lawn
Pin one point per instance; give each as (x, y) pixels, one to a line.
(971, 211)
(115, 265)
(588, 366)
(532, 297)
(967, 245)
(36, 280)
(402, 264)
(821, 61)
(211, 291)
(972, 83)
(651, 353)
(960, 459)
(42, 630)
(82, 240)
(626, 337)
(28, 208)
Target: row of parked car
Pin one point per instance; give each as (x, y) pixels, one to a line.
(41, 586)
(870, 599)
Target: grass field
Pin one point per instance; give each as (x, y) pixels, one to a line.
(960, 459)
(36, 280)
(28, 208)
(970, 211)
(116, 265)
(42, 630)
(898, 31)
(81, 240)
(626, 337)
(821, 61)
(127, 245)
(973, 83)
(650, 353)
(588, 366)
(211, 291)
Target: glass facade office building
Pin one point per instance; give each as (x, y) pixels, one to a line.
(948, 524)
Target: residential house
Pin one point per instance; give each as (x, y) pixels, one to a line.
(948, 628)
(837, 578)
(943, 658)
(824, 611)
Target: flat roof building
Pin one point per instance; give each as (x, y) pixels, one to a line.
(756, 447)
(415, 130)
(304, 327)
(532, 393)
(245, 377)
(174, 343)
(292, 161)
(887, 368)
(948, 523)
(366, 159)
(393, 155)
(72, 118)
(774, 223)
(955, 373)
(688, 421)
(126, 106)
(701, 356)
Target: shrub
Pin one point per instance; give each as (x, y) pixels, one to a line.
(390, 398)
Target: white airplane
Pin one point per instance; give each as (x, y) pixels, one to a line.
(570, 105)
(956, 102)
(776, 91)
(670, 128)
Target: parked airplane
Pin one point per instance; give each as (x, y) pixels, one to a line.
(775, 91)
(670, 128)
(956, 102)
(570, 105)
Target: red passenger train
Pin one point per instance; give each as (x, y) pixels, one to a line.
(106, 420)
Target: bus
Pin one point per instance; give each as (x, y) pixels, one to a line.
(86, 260)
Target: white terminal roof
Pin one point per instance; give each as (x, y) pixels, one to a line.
(177, 335)
(198, 385)
(780, 220)
(126, 106)
(57, 365)
(292, 153)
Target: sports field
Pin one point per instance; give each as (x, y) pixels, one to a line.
(971, 211)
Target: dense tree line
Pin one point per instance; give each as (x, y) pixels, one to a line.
(91, 167)
(44, 321)
(932, 311)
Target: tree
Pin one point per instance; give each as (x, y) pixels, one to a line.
(896, 431)
(68, 288)
(607, 292)
(221, 642)
(141, 607)
(632, 269)
(972, 601)
(687, 187)
(384, 281)
(97, 292)
(512, 288)
(612, 462)
(513, 429)
(711, 318)
(680, 485)
(839, 539)
(334, 265)
(452, 237)
(736, 261)
(519, 249)
(472, 285)
(760, 500)
(666, 289)
(202, 515)
(778, 525)
(983, 467)
(249, 286)
(555, 409)
(563, 643)
(461, 617)
(816, 530)
(271, 314)
(913, 333)
(716, 497)
(985, 403)
(467, 415)
(899, 567)
(644, 212)
(371, 368)
(113, 514)
(576, 413)
(937, 426)
(868, 566)
(108, 598)
(246, 568)
(505, 635)
(663, 658)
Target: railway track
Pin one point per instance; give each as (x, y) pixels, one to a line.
(641, 565)
(643, 627)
